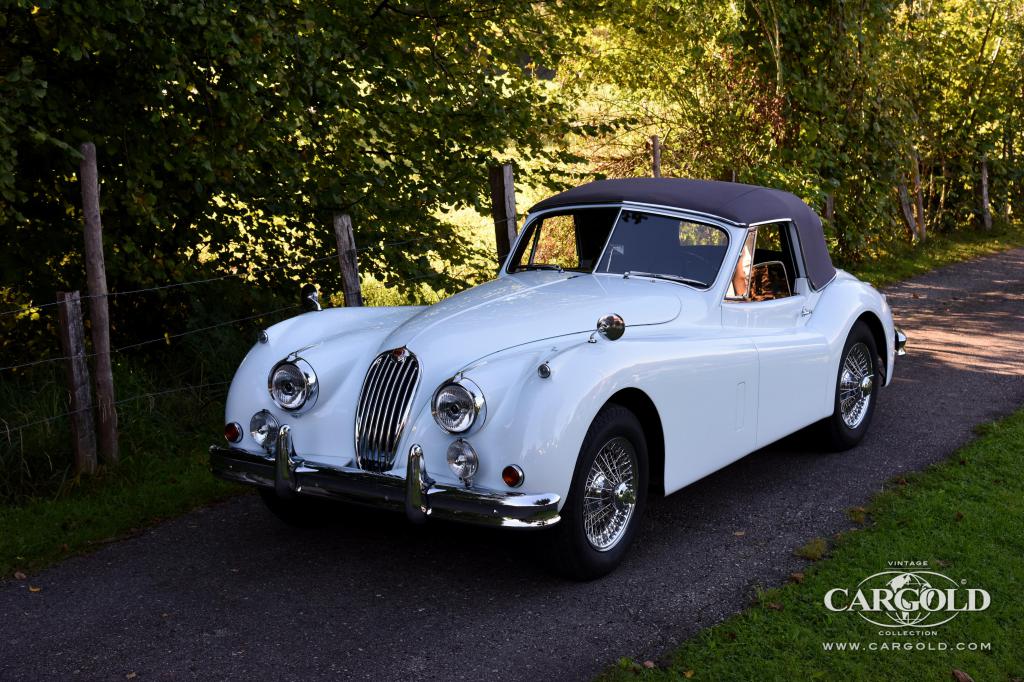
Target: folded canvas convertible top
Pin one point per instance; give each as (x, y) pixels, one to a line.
(736, 203)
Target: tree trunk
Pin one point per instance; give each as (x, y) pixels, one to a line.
(907, 211)
(986, 212)
(922, 233)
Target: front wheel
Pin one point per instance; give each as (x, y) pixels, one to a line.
(606, 498)
(856, 391)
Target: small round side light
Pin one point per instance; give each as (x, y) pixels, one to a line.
(233, 432)
(513, 476)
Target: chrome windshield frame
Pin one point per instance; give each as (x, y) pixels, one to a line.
(727, 226)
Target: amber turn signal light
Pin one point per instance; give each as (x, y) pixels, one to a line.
(512, 475)
(232, 432)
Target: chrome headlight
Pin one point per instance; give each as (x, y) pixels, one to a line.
(457, 405)
(293, 385)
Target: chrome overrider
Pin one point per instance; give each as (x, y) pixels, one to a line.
(417, 493)
(900, 342)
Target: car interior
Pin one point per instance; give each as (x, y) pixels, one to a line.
(773, 269)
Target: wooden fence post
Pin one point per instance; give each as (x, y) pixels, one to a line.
(99, 314)
(350, 284)
(656, 156)
(503, 208)
(72, 342)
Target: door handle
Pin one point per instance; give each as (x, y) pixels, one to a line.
(804, 312)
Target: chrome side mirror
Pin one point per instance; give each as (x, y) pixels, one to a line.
(309, 298)
(611, 327)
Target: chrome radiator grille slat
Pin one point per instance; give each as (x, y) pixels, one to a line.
(383, 408)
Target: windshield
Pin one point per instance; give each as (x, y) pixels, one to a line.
(651, 244)
(565, 240)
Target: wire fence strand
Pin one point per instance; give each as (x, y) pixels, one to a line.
(164, 287)
(166, 337)
(6, 430)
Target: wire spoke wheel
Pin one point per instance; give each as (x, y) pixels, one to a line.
(610, 494)
(856, 385)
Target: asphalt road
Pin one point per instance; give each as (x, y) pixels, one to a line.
(229, 592)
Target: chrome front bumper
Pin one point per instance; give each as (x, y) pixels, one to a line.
(418, 494)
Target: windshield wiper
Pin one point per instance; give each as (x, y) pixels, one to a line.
(671, 278)
(540, 266)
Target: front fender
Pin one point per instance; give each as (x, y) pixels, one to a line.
(326, 432)
(536, 423)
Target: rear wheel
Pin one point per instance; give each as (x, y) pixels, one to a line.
(606, 498)
(856, 393)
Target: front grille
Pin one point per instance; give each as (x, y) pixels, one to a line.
(384, 405)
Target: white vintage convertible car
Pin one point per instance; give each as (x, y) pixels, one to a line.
(641, 334)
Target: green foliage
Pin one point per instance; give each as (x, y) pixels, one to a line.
(835, 101)
(229, 133)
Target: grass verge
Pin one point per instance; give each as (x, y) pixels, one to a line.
(962, 516)
(143, 492)
(46, 513)
(908, 260)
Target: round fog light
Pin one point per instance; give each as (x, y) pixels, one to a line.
(462, 460)
(512, 475)
(263, 428)
(233, 432)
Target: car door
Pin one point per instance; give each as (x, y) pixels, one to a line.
(793, 358)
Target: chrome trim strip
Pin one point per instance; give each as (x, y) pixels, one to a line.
(770, 222)
(386, 490)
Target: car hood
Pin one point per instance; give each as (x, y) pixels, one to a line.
(523, 308)
(447, 337)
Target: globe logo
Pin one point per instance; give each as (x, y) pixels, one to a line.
(917, 584)
(909, 599)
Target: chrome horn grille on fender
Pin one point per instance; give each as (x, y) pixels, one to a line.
(383, 409)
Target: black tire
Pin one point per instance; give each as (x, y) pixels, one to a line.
(300, 512)
(568, 549)
(836, 434)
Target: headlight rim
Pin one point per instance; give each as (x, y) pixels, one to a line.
(311, 389)
(478, 401)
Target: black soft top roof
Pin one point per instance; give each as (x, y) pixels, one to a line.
(735, 202)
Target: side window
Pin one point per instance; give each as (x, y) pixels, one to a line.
(767, 266)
